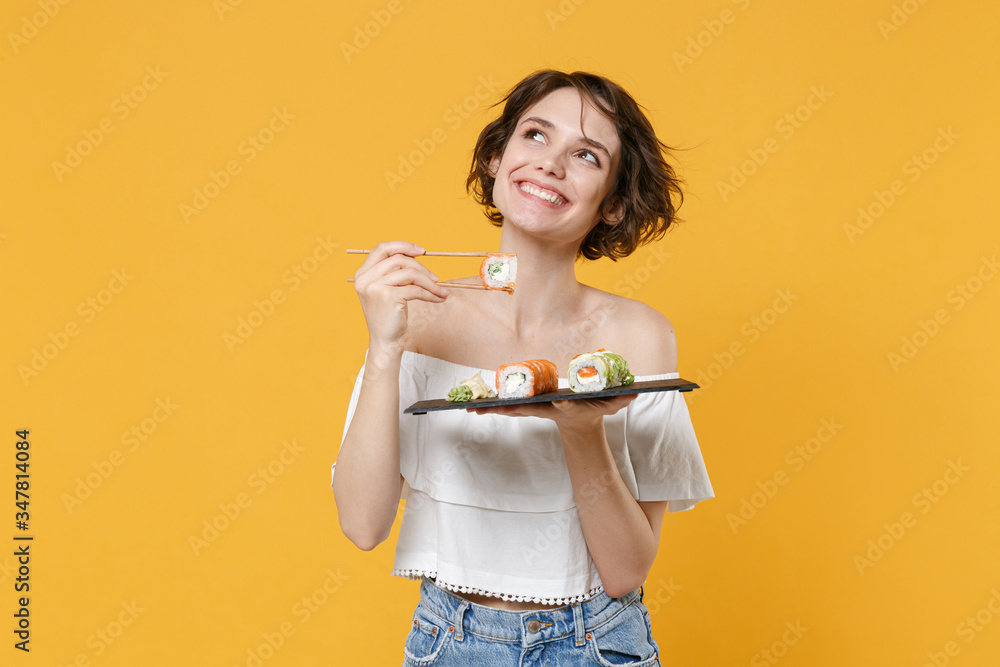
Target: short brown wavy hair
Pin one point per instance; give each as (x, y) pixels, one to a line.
(646, 186)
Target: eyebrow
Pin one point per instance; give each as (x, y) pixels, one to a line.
(587, 141)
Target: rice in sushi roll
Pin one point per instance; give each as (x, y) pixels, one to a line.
(499, 271)
(597, 371)
(522, 379)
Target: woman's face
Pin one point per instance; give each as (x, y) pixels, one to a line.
(551, 179)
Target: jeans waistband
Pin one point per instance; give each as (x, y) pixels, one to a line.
(529, 627)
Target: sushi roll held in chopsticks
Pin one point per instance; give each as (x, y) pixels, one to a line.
(597, 371)
(522, 379)
(498, 271)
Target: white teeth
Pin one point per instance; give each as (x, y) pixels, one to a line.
(532, 190)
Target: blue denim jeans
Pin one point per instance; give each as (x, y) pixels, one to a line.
(448, 630)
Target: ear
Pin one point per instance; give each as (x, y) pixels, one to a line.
(494, 166)
(613, 214)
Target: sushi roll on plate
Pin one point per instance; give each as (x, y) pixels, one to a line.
(597, 371)
(522, 379)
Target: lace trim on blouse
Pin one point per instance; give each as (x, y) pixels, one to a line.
(420, 574)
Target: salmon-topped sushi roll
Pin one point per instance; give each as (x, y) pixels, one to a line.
(499, 271)
(522, 379)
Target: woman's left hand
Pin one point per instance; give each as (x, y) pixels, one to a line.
(578, 415)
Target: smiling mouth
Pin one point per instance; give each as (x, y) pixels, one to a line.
(546, 195)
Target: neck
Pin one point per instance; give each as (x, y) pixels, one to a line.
(547, 294)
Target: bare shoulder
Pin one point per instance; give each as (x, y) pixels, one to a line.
(641, 334)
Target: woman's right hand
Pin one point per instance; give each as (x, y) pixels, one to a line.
(388, 278)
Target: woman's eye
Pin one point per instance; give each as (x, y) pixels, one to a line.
(532, 134)
(538, 136)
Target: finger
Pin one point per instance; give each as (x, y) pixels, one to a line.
(526, 410)
(568, 407)
(386, 276)
(409, 276)
(390, 265)
(616, 402)
(621, 401)
(415, 292)
(509, 410)
(387, 249)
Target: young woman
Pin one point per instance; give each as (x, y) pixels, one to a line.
(532, 527)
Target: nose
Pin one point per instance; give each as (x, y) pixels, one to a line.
(552, 163)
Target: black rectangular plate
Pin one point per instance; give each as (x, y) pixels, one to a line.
(676, 384)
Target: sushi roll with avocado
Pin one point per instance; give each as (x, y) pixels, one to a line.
(522, 379)
(597, 371)
(499, 271)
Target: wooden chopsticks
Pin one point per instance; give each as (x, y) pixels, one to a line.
(430, 253)
(451, 284)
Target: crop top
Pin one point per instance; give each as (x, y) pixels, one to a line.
(489, 504)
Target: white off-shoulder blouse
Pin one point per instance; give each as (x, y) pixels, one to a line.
(489, 504)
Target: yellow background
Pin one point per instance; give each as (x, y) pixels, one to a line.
(721, 592)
